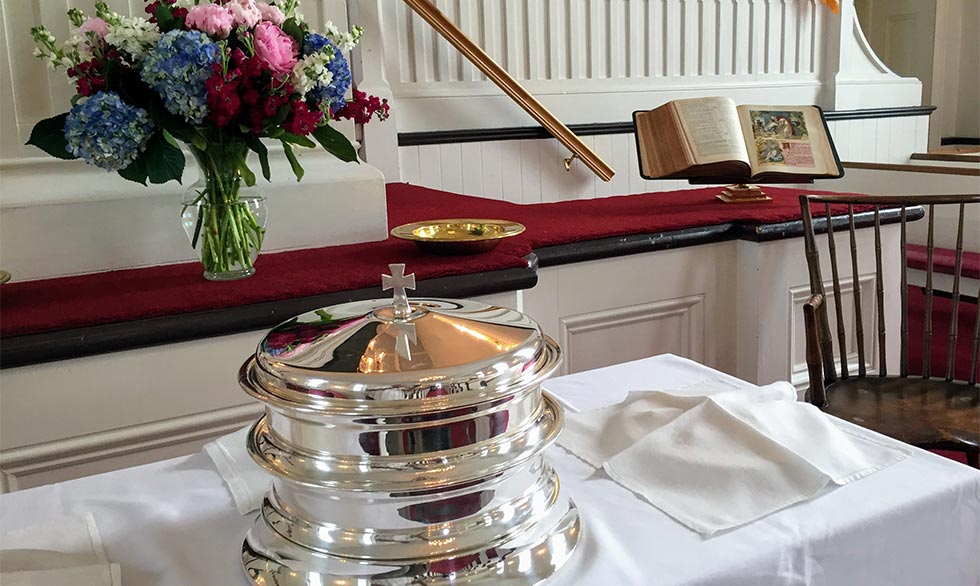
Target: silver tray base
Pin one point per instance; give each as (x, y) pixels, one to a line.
(527, 560)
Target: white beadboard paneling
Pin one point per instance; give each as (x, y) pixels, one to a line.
(551, 158)
(622, 144)
(472, 155)
(512, 169)
(492, 173)
(430, 165)
(532, 171)
(408, 158)
(451, 163)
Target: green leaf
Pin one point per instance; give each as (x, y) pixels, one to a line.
(297, 139)
(164, 161)
(293, 161)
(173, 124)
(258, 148)
(49, 136)
(199, 142)
(165, 17)
(294, 28)
(136, 171)
(246, 173)
(335, 143)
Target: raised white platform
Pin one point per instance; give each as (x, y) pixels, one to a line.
(86, 220)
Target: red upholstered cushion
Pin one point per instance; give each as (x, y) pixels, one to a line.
(126, 295)
(943, 261)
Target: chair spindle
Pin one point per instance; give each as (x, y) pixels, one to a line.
(817, 288)
(879, 279)
(838, 303)
(954, 320)
(976, 343)
(927, 342)
(859, 318)
(903, 367)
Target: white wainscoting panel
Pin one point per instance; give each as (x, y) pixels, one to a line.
(869, 312)
(674, 326)
(611, 310)
(773, 278)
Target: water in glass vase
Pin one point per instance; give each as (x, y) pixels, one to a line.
(223, 217)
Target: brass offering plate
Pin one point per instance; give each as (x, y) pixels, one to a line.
(459, 235)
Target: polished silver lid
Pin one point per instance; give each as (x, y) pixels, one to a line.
(381, 350)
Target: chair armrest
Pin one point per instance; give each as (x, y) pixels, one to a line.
(816, 394)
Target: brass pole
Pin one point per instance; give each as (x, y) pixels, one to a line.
(479, 58)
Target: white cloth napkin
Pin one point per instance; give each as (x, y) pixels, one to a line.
(714, 458)
(57, 553)
(246, 480)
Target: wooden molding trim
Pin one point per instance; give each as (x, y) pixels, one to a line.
(104, 445)
(933, 169)
(948, 157)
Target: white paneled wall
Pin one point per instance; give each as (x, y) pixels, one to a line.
(598, 60)
(590, 40)
(532, 171)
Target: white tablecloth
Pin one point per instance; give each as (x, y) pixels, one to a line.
(916, 523)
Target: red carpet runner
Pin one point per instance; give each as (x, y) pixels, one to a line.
(126, 295)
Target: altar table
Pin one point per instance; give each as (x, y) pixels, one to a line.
(915, 523)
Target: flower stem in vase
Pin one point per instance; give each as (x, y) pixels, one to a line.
(224, 218)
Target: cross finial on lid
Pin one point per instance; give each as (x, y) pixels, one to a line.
(399, 281)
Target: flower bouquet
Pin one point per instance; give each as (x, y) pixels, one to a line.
(218, 76)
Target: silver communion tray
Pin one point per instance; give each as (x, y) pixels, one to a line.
(406, 445)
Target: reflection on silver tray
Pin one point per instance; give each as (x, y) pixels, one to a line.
(407, 448)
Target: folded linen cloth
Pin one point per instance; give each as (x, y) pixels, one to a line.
(63, 551)
(714, 458)
(247, 481)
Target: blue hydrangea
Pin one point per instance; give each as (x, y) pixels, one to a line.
(334, 94)
(107, 132)
(315, 42)
(178, 67)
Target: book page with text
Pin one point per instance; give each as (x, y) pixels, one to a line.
(786, 139)
(712, 128)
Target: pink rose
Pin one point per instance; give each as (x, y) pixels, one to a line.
(245, 12)
(211, 19)
(94, 25)
(271, 13)
(274, 48)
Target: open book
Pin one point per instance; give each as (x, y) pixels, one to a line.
(712, 138)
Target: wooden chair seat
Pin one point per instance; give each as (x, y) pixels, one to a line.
(925, 411)
(929, 413)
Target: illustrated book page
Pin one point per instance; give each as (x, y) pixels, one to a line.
(789, 140)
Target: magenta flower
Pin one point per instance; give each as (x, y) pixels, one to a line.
(274, 48)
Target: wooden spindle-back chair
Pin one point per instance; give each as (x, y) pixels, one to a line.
(928, 411)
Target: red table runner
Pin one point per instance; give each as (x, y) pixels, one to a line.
(126, 295)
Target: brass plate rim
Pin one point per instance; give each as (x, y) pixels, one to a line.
(4, 277)
(407, 231)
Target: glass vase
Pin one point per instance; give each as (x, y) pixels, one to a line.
(223, 217)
